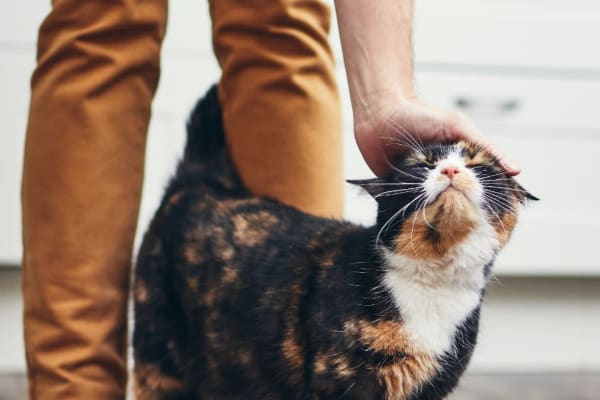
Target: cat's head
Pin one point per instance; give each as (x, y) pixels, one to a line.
(437, 196)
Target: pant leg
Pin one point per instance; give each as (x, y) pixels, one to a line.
(280, 100)
(98, 66)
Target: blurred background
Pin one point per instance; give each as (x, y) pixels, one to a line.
(527, 71)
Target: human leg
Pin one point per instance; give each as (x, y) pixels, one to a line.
(91, 92)
(280, 102)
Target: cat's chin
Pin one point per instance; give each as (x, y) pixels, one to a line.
(430, 233)
(452, 195)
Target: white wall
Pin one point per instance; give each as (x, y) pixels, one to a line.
(12, 357)
(540, 325)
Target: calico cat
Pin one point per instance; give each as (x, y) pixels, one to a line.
(241, 297)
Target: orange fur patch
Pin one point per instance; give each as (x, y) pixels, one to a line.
(291, 347)
(475, 154)
(151, 384)
(245, 357)
(463, 182)
(210, 296)
(505, 225)
(342, 367)
(320, 364)
(174, 200)
(328, 260)
(383, 336)
(192, 255)
(430, 233)
(294, 354)
(230, 274)
(192, 282)
(401, 379)
(141, 291)
(404, 376)
(252, 229)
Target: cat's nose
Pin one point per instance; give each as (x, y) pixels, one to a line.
(450, 171)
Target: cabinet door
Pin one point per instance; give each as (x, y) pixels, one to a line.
(538, 34)
(15, 69)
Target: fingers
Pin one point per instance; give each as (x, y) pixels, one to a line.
(463, 128)
(416, 124)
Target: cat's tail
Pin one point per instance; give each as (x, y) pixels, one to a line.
(206, 157)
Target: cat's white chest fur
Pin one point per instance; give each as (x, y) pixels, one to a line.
(433, 299)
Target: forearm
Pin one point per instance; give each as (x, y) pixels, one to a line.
(377, 44)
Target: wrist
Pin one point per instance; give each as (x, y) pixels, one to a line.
(376, 107)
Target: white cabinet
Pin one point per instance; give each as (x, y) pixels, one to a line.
(533, 34)
(527, 71)
(15, 68)
(552, 130)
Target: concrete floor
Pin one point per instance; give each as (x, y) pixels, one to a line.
(473, 387)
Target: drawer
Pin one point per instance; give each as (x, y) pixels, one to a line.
(515, 101)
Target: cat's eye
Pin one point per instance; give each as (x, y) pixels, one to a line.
(474, 166)
(426, 165)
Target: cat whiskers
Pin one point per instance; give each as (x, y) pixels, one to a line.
(348, 390)
(494, 201)
(418, 178)
(413, 140)
(395, 141)
(394, 184)
(396, 169)
(484, 175)
(499, 200)
(499, 220)
(510, 189)
(398, 191)
(396, 215)
(412, 229)
(425, 218)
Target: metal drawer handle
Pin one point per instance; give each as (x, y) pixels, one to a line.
(487, 105)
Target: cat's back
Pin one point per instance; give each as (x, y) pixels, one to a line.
(220, 282)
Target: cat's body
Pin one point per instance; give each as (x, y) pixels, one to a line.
(239, 297)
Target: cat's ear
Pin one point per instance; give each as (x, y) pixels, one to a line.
(373, 186)
(524, 195)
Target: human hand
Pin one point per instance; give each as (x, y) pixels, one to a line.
(402, 121)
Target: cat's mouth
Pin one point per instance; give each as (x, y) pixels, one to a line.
(452, 187)
(451, 192)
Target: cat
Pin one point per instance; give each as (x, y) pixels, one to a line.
(242, 297)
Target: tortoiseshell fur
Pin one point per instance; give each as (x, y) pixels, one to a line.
(240, 297)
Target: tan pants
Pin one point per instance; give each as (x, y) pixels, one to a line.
(98, 66)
